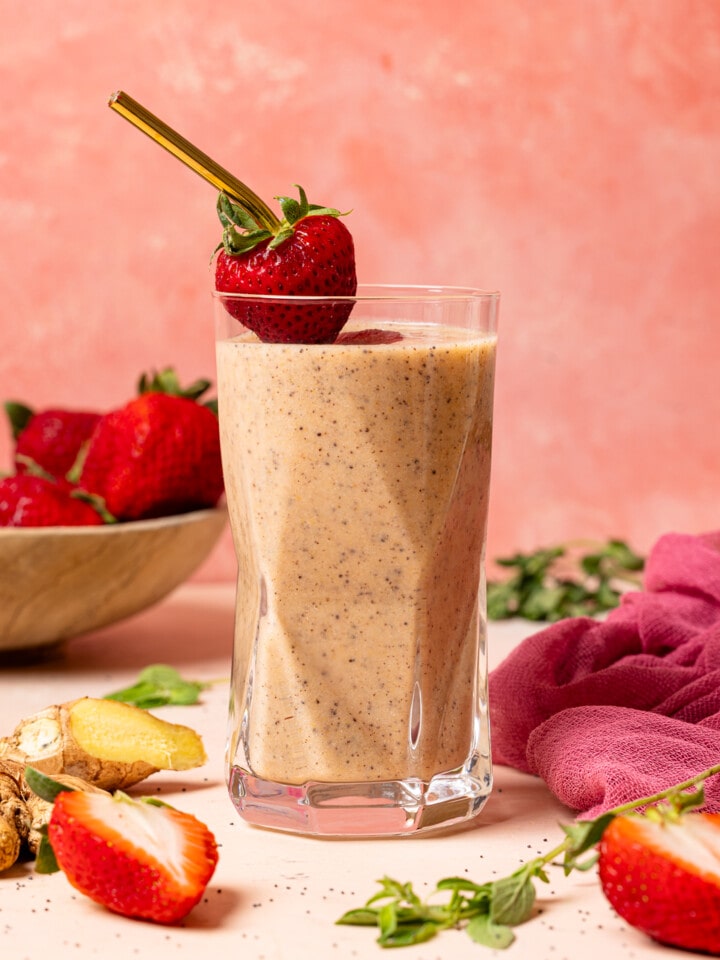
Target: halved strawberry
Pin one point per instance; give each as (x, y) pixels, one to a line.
(661, 874)
(135, 857)
(308, 254)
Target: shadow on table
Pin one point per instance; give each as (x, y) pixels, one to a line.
(514, 794)
(187, 627)
(215, 909)
(515, 797)
(161, 785)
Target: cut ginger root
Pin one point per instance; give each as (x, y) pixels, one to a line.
(92, 744)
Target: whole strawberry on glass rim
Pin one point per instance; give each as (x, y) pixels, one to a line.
(309, 254)
(296, 262)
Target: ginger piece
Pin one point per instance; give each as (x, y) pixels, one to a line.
(14, 820)
(108, 744)
(88, 744)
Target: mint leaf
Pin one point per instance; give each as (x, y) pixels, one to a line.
(360, 917)
(157, 686)
(583, 835)
(512, 899)
(483, 930)
(539, 589)
(44, 786)
(489, 911)
(45, 861)
(408, 934)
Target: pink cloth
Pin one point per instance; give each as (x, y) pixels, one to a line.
(610, 711)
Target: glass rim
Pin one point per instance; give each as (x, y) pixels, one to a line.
(378, 293)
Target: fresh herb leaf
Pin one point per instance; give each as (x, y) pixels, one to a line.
(408, 934)
(583, 835)
(157, 686)
(44, 786)
(550, 584)
(512, 899)
(481, 929)
(488, 911)
(360, 917)
(45, 860)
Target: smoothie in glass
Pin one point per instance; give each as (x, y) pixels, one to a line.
(357, 477)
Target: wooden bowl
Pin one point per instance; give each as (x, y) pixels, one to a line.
(59, 582)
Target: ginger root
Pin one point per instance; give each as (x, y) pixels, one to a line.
(89, 744)
(14, 820)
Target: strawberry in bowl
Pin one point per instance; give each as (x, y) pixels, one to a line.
(158, 454)
(27, 500)
(50, 438)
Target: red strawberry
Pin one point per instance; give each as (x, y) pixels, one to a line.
(50, 438)
(158, 455)
(31, 501)
(366, 338)
(662, 875)
(309, 253)
(132, 856)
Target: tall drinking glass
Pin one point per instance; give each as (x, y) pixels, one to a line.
(357, 477)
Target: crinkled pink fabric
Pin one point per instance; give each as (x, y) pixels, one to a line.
(610, 711)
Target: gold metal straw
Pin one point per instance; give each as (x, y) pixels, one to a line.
(198, 161)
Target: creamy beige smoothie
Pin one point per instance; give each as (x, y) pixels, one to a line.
(357, 479)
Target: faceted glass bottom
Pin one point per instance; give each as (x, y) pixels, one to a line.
(394, 808)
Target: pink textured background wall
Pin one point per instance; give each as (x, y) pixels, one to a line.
(566, 153)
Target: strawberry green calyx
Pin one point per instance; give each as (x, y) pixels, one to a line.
(19, 415)
(167, 381)
(242, 232)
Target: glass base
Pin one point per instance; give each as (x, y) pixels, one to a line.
(393, 808)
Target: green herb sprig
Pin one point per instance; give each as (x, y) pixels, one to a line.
(489, 911)
(540, 590)
(157, 686)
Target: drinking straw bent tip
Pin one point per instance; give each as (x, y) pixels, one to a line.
(187, 153)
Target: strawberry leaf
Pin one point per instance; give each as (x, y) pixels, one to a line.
(282, 235)
(292, 210)
(33, 468)
(233, 215)
(167, 381)
(317, 211)
(235, 243)
(19, 415)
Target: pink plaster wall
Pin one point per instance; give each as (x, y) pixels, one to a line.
(565, 152)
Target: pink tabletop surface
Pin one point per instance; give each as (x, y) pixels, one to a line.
(276, 896)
